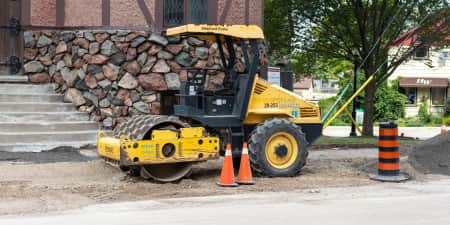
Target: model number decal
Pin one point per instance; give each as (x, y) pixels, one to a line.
(280, 105)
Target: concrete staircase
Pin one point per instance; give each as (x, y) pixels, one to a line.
(34, 118)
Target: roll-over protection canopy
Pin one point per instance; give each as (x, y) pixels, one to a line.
(211, 31)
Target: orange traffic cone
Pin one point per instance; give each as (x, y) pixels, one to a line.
(245, 172)
(443, 128)
(227, 174)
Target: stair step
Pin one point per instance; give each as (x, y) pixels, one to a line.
(43, 116)
(13, 79)
(35, 107)
(33, 118)
(46, 137)
(26, 88)
(48, 126)
(39, 147)
(39, 97)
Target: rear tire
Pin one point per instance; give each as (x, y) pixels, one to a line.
(277, 148)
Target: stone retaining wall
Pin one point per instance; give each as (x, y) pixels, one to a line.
(116, 74)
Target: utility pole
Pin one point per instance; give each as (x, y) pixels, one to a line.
(355, 82)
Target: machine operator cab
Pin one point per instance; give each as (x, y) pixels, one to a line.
(226, 106)
(244, 100)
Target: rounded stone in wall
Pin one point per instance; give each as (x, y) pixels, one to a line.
(128, 81)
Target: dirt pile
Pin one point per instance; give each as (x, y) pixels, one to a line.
(432, 155)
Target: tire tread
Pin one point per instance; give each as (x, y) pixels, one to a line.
(257, 143)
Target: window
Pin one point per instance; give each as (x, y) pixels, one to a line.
(438, 96)
(173, 12)
(443, 57)
(421, 53)
(411, 94)
(179, 12)
(198, 11)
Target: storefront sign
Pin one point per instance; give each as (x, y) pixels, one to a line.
(423, 82)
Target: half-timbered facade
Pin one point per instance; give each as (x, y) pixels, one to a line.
(137, 14)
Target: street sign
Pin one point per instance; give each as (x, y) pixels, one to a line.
(359, 116)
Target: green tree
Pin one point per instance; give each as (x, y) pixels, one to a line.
(279, 26)
(360, 30)
(306, 64)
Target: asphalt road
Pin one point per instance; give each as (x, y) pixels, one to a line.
(406, 203)
(421, 133)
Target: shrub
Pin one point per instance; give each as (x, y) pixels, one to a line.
(435, 120)
(447, 108)
(389, 104)
(413, 122)
(424, 115)
(325, 105)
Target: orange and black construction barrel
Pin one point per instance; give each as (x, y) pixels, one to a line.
(388, 167)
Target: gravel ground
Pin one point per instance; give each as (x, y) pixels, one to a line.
(30, 186)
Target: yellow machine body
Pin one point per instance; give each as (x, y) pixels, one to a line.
(165, 146)
(269, 101)
(108, 146)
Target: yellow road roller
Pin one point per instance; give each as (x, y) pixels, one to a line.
(277, 124)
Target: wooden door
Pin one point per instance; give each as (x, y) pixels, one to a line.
(10, 38)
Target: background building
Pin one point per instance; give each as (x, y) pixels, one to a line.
(314, 89)
(110, 57)
(424, 77)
